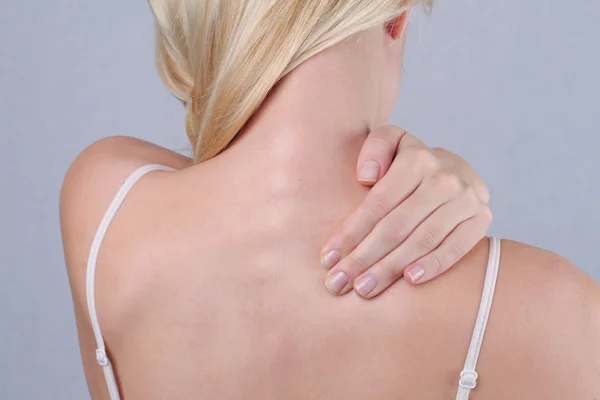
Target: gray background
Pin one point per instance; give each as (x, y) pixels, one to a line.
(512, 87)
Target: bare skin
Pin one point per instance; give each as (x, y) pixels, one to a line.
(209, 283)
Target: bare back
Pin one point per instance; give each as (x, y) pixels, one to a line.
(209, 286)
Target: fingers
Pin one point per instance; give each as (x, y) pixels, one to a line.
(455, 247)
(427, 237)
(391, 231)
(382, 199)
(403, 177)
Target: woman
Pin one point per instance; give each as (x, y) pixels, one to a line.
(208, 282)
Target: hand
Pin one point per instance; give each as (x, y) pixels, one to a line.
(424, 213)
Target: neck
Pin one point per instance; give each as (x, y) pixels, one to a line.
(320, 114)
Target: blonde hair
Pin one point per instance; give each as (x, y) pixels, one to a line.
(223, 57)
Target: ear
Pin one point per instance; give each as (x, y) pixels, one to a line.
(395, 28)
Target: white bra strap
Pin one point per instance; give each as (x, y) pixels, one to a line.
(101, 356)
(468, 376)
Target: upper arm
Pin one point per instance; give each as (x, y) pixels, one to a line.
(89, 186)
(570, 329)
(549, 323)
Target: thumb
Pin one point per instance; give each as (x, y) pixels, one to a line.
(377, 153)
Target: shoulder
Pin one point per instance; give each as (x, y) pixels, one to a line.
(110, 159)
(97, 173)
(548, 282)
(539, 272)
(91, 183)
(102, 167)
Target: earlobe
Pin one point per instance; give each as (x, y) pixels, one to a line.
(395, 28)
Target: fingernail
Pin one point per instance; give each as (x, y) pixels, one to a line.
(336, 282)
(366, 284)
(369, 171)
(330, 258)
(415, 273)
